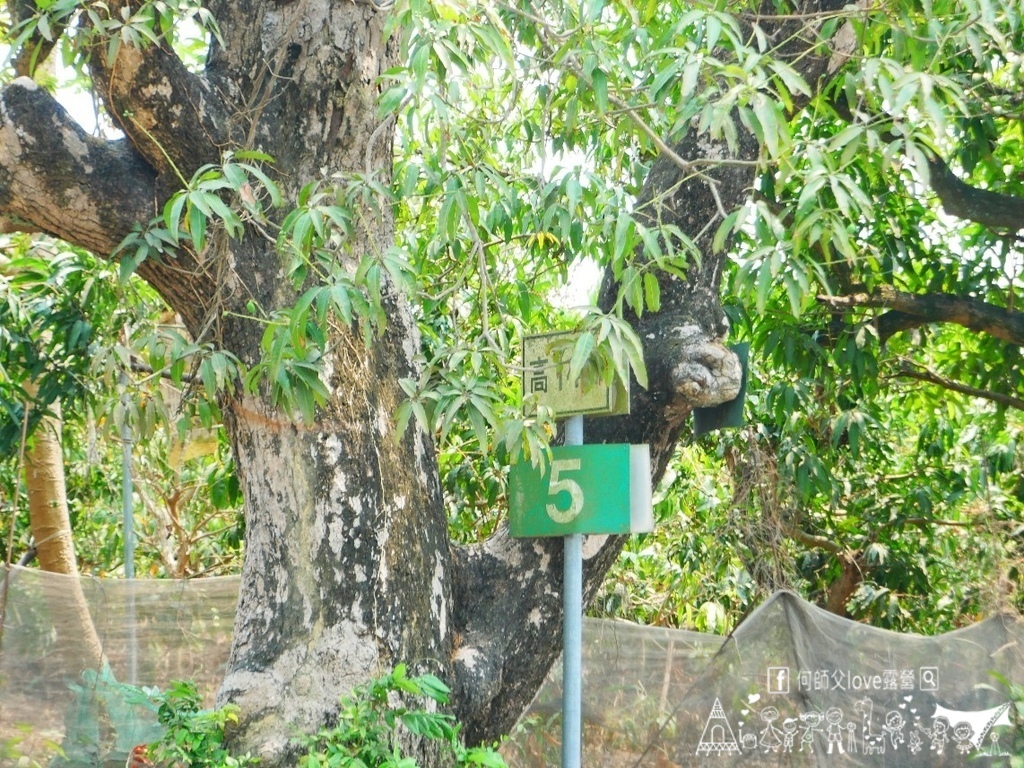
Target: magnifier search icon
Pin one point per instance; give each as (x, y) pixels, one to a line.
(929, 678)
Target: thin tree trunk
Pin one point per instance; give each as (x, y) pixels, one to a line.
(842, 589)
(50, 523)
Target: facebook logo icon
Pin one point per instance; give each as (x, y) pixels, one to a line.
(778, 679)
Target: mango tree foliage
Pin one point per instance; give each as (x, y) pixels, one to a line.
(356, 208)
(854, 207)
(90, 343)
(889, 277)
(875, 270)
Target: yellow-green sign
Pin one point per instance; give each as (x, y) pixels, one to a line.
(584, 489)
(546, 377)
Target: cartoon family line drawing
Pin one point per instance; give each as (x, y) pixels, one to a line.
(946, 731)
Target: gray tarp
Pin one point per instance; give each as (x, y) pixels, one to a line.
(798, 686)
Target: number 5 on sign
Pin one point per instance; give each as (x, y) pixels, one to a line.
(585, 489)
(556, 485)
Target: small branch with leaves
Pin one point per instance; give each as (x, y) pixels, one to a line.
(910, 371)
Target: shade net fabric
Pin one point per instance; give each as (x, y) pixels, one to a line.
(798, 686)
(793, 686)
(152, 632)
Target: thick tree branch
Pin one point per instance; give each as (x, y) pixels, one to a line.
(172, 116)
(505, 632)
(891, 323)
(851, 576)
(56, 178)
(974, 314)
(912, 372)
(851, 564)
(982, 206)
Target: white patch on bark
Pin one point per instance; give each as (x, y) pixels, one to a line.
(385, 423)
(687, 332)
(383, 534)
(592, 545)
(535, 618)
(437, 601)
(329, 448)
(545, 558)
(10, 150)
(74, 145)
(162, 89)
(467, 657)
(711, 150)
(411, 334)
(339, 485)
(326, 373)
(336, 535)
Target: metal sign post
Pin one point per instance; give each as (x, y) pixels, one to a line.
(572, 629)
(584, 489)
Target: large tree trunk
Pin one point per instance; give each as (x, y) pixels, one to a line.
(50, 523)
(348, 566)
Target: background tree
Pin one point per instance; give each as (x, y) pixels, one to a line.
(327, 286)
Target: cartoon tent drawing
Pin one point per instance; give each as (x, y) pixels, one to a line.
(718, 738)
(981, 721)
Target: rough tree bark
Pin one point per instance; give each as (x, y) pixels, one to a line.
(349, 568)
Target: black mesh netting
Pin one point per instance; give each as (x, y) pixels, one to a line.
(793, 686)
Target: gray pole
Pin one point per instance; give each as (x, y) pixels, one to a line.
(126, 499)
(572, 629)
(128, 528)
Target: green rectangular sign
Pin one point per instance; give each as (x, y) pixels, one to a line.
(588, 489)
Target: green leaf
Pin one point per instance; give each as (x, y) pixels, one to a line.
(600, 82)
(581, 353)
(391, 99)
(172, 214)
(652, 292)
(793, 81)
(197, 227)
(623, 231)
(635, 354)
